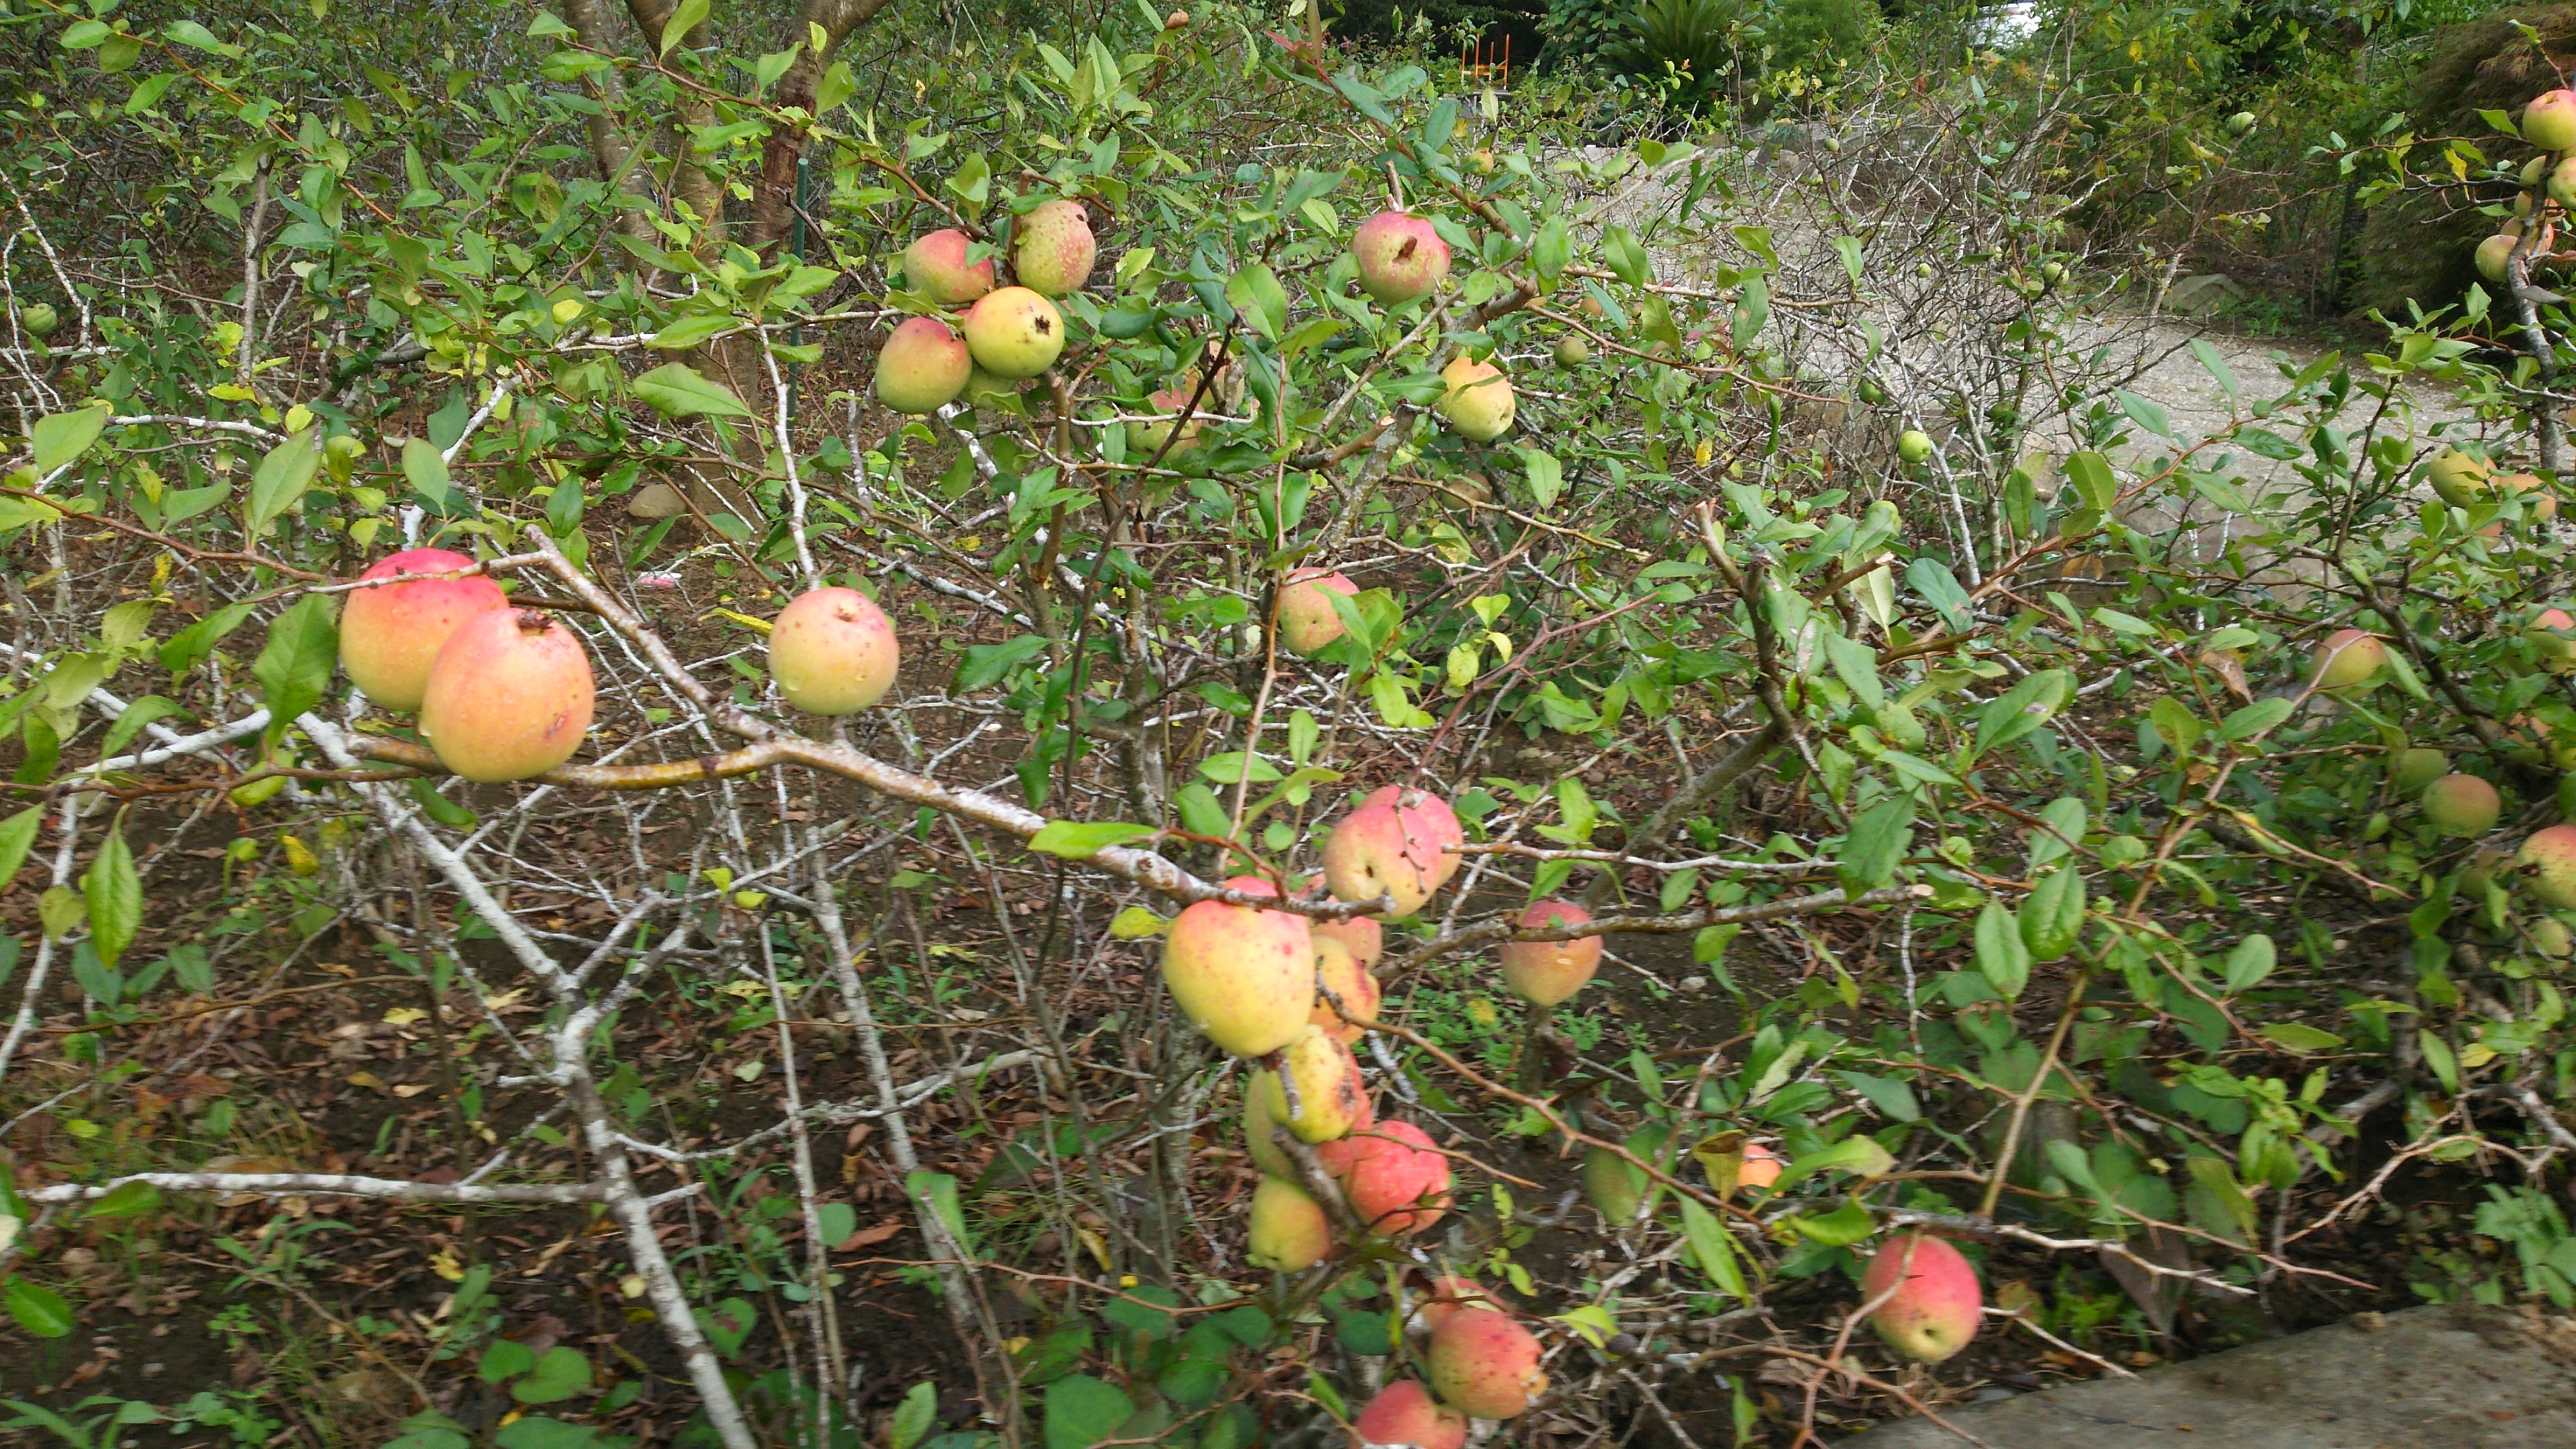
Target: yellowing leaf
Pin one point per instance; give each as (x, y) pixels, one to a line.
(404, 1016)
(444, 1264)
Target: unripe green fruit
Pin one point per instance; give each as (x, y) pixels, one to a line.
(2052, 273)
(2240, 123)
(2550, 937)
(39, 318)
(2410, 770)
(2495, 258)
(1616, 1187)
(1479, 401)
(1572, 351)
(1914, 446)
(2459, 479)
(2461, 806)
(1289, 1232)
(2562, 181)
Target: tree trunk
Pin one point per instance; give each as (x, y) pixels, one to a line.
(690, 182)
(773, 196)
(610, 147)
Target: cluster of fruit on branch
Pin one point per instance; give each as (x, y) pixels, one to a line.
(504, 693)
(1008, 335)
(2548, 189)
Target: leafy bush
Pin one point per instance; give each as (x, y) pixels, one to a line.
(1988, 773)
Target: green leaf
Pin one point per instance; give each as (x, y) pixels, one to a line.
(2254, 719)
(2175, 724)
(2052, 920)
(727, 1324)
(2001, 957)
(38, 1309)
(689, 331)
(1256, 293)
(914, 1416)
(17, 836)
(1880, 836)
(1546, 475)
(675, 390)
(2024, 708)
(2438, 1056)
(1627, 257)
(1890, 1095)
(1076, 840)
(295, 667)
(2299, 1038)
(2094, 481)
(1712, 1251)
(504, 1359)
(114, 893)
(938, 1192)
(837, 86)
(2145, 412)
(686, 16)
(138, 715)
(984, 665)
(125, 1200)
(2066, 815)
(2250, 962)
(1081, 1411)
(1840, 1228)
(560, 1373)
(1228, 768)
(60, 439)
(281, 479)
(190, 33)
(1859, 1154)
(538, 1431)
(426, 471)
(1940, 588)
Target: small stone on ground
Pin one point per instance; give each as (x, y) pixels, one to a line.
(2460, 1376)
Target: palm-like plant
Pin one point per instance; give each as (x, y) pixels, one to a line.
(1687, 44)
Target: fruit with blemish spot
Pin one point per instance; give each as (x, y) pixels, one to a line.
(1380, 850)
(1401, 257)
(1015, 333)
(1332, 1098)
(1340, 972)
(509, 696)
(1052, 248)
(2547, 865)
